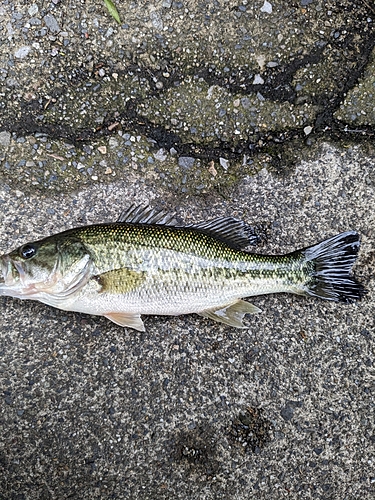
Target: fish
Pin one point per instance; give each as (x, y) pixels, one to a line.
(148, 263)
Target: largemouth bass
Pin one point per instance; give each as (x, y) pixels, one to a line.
(146, 263)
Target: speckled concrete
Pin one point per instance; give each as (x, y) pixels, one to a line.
(96, 116)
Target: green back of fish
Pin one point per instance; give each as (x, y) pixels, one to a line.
(177, 250)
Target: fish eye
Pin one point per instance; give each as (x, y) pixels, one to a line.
(27, 251)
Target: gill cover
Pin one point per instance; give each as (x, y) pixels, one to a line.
(50, 270)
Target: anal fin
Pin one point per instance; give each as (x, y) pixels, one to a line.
(231, 314)
(124, 319)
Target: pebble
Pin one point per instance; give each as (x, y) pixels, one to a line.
(186, 162)
(22, 52)
(212, 169)
(5, 138)
(51, 23)
(287, 413)
(258, 80)
(308, 130)
(267, 7)
(245, 101)
(34, 21)
(156, 20)
(224, 163)
(102, 149)
(160, 155)
(33, 9)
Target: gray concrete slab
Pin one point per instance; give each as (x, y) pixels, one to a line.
(208, 109)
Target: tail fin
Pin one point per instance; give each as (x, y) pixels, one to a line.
(330, 265)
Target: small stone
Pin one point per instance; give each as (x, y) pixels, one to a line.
(160, 155)
(159, 85)
(34, 21)
(224, 163)
(287, 413)
(156, 20)
(186, 162)
(101, 72)
(258, 80)
(245, 101)
(167, 4)
(112, 143)
(102, 149)
(22, 52)
(308, 130)
(212, 168)
(267, 7)
(33, 9)
(5, 139)
(30, 163)
(51, 23)
(108, 171)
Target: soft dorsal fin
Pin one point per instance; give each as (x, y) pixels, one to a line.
(235, 233)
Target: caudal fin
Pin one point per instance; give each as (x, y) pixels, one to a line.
(330, 263)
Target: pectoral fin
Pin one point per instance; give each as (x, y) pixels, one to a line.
(231, 314)
(119, 281)
(130, 320)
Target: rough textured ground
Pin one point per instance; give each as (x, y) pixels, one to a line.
(260, 110)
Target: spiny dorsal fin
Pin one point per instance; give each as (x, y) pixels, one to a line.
(137, 214)
(235, 233)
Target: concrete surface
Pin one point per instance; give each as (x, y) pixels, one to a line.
(260, 110)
